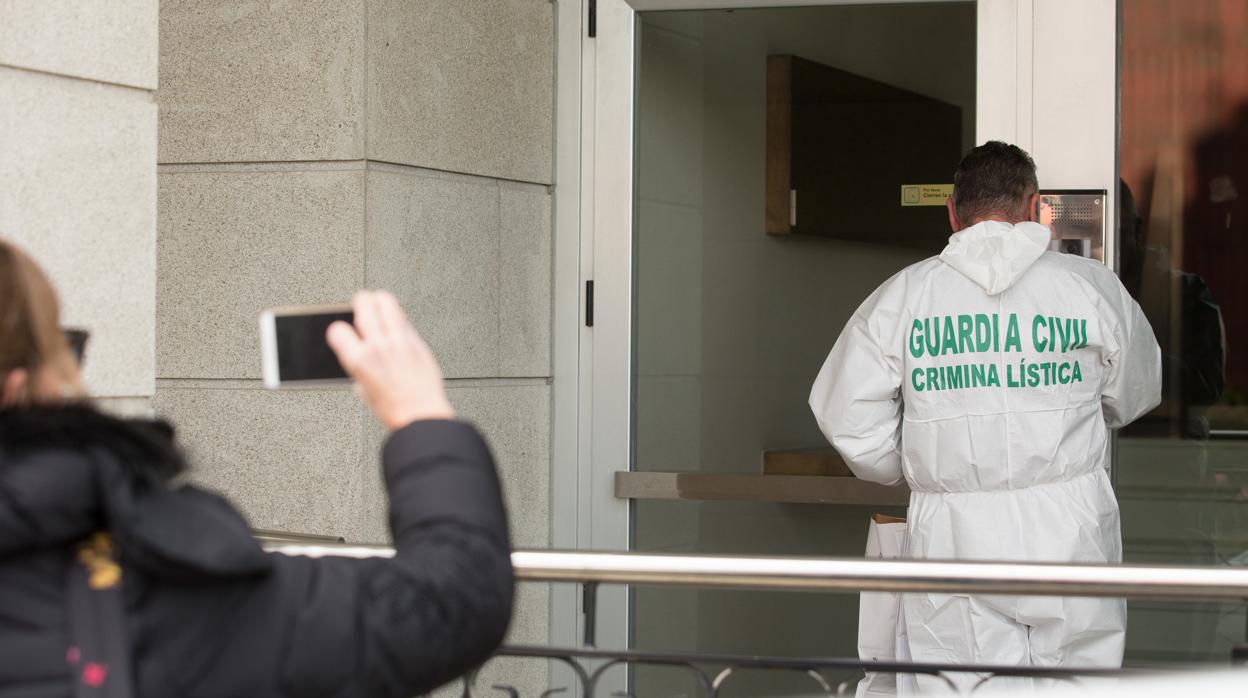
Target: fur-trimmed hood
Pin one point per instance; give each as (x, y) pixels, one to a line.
(145, 447)
(66, 472)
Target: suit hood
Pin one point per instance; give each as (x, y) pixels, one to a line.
(995, 254)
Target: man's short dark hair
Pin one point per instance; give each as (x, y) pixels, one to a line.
(994, 179)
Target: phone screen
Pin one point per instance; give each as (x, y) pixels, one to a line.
(302, 352)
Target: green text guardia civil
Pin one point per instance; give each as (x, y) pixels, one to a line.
(944, 335)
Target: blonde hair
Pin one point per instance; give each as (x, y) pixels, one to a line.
(30, 326)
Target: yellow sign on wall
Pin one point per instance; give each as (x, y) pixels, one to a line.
(925, 194)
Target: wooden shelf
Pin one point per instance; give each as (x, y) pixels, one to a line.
(806, 461)
(783, 489)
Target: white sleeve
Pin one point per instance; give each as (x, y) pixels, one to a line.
(857, 401)
(1132, 385)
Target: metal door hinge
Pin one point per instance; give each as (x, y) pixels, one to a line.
(589, 303)
(592, 12)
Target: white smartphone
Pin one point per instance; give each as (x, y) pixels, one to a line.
(293, 350)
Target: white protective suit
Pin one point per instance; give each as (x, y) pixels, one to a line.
(988, 378)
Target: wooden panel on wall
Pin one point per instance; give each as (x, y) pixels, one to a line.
(840, 147)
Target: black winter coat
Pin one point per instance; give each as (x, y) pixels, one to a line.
(212, 615)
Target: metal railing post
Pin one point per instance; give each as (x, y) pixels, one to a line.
(589, 606)
(1239, 651)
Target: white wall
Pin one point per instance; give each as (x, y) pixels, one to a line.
(78, 173)
(1048, 82)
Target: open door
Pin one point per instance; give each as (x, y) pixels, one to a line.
(732, 159)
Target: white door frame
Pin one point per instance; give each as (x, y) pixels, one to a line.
(570, 336)
(1047, 80)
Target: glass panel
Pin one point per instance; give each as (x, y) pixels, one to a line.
(1183, 471)
(732, 322)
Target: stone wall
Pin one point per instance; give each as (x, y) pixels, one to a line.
(311, 148)
(78, 174)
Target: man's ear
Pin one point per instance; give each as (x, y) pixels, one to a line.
(953, 217)
(1033, 208)
(15, 384)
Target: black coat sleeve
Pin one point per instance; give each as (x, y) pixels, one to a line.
(403, 626)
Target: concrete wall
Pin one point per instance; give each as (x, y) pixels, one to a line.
(78, 176)
(311, 148)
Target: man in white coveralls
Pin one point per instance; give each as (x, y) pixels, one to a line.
(988, 379)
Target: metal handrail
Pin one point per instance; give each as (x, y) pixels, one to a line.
(852, 574)
(270, 537)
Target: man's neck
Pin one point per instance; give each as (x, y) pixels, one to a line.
(995, 217)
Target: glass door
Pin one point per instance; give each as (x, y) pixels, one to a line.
(1183, 470)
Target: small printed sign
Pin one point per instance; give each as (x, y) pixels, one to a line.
(925, 194)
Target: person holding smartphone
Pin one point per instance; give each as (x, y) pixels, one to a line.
(91, 510)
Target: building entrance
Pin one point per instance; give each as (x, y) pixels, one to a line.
(786, 165)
